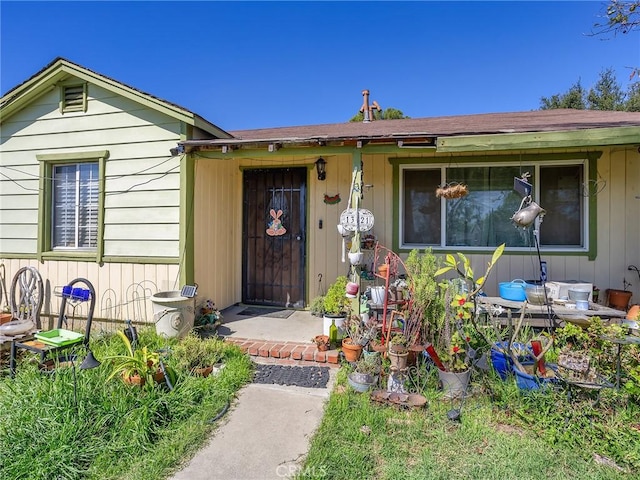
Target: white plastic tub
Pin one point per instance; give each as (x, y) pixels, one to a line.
(173, 314)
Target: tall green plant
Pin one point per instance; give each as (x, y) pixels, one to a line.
(336, 301)
(427, 306)
(461, 303)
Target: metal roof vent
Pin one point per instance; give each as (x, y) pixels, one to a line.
(366, 109)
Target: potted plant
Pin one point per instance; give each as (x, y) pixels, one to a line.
(322, 342)
(197, 355)
(398, 351)
(426, 312)
(140, 366)
(336, 306)
(317, 306)
(452, 342)
(357, 335)
(365, 374)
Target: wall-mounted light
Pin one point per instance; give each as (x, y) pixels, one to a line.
(321, 168)
(179, 150)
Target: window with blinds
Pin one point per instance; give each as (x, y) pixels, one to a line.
(75, 206)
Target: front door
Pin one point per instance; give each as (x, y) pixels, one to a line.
(274, 229)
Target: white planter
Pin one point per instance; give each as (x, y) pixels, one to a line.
(326, 324)
(173, 314)
(355, 258)
(378, 295)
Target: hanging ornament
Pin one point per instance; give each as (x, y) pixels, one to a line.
(452, 190)
(332, 200)
(275, 228)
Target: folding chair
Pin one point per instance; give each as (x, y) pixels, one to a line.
(54, 341)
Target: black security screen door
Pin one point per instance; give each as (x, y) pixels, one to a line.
(274, 227)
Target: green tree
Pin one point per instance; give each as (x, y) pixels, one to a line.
(387, 114)
(606, 94)
(573, 98)
(633, 98)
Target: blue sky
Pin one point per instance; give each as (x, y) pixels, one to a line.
(247, 65)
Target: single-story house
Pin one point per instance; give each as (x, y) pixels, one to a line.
(250, 216)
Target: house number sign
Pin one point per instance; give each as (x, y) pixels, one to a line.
(356, 220)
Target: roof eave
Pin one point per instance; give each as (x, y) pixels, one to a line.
(61, 69)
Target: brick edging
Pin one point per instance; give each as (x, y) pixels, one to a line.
(286, 353)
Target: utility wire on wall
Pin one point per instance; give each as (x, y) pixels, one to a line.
(139, 173)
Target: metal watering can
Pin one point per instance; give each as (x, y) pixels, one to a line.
(525, 216)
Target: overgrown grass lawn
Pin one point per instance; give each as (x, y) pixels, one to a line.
(74, 424)
(504, 433)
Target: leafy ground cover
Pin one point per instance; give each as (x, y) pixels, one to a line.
(74, 424)
(503, 433)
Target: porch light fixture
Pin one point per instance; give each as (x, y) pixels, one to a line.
(321, 168)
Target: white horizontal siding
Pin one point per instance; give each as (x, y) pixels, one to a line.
(142, 216)
(142, 198)
(19, 216)
(88, 139)
(18, 245)
(154, 198)
(104, 111)
(137, 231)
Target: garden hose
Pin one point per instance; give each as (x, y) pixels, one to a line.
(166, 375)
(221, 413)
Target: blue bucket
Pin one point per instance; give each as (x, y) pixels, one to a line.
(502, 364)
(526, 381)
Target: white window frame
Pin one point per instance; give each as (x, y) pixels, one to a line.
(536, 164)
(79, 204)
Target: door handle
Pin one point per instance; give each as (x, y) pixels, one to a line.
(298, 237)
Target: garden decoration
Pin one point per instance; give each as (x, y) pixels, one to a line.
(452, 190)
(527, 213)
(275, 227)
(332, 199)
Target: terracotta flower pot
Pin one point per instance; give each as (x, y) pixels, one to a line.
(351, 351)
(322, 342)
(618, 299)
(203, 371)
(383, 270)
(133, 379)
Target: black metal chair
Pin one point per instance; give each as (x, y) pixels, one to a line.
(53, 342)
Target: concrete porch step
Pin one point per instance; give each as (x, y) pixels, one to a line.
(286, 352)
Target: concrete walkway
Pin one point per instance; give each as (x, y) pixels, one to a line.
(266, 432)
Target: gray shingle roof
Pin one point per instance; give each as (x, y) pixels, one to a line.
(390, 130)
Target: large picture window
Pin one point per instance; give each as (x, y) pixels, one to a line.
(483, 217)
(75, 206)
